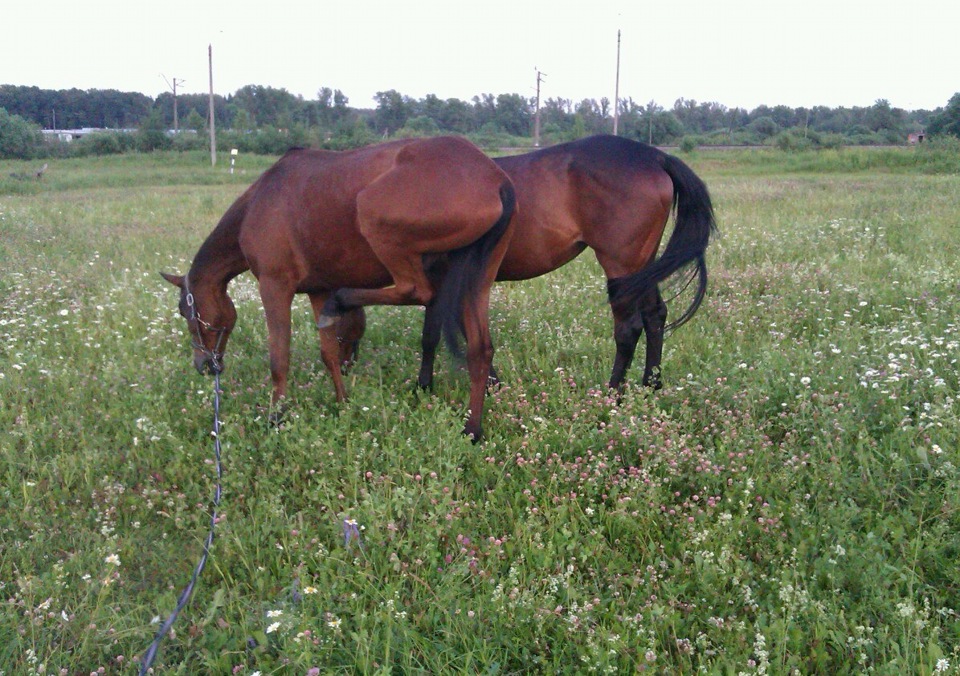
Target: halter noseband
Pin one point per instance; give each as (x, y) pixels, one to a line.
(214, 355)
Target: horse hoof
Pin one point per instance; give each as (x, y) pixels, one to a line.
(277, 417)
(326, 321)
(654, 383)
(474, 436)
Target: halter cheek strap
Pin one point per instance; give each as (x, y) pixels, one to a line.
(214, 355)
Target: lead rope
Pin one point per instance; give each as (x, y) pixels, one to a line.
(151, 653)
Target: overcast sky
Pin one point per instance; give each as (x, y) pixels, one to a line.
(740, 53)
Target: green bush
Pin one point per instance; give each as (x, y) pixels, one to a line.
(688, 144)
(419, 127)
(101, 143)
(939, 155)
(153, 134)
(188, 140)
(791, 141)
(831, 141)
(19, 138)
(491, 137)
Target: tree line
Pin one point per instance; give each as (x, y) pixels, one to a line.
(264, 119)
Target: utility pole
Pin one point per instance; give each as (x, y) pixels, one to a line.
(616, 90)
(173, 87)
(536, 117)
(213, 124)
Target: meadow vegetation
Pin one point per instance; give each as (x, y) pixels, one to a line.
(788, 503)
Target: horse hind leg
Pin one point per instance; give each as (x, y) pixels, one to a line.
(429, 340)
(627, 328)
(649, 315)
(410, 287)
(653, 312)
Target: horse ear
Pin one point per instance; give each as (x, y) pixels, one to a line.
(176, 280)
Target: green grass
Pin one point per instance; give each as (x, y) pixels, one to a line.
(787, 503)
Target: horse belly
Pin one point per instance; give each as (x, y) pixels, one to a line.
(367, 273)
(539, 246)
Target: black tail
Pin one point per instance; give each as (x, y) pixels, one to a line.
(466, 267)
(694, 223)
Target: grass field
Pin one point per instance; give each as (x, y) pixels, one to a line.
(788, 503)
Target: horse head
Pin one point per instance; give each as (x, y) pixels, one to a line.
(210, 317)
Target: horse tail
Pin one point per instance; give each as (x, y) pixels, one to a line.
(694, 223)
(466, 267)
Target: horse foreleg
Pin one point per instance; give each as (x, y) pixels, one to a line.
(329, 347)
(350, 330)
(277, 299)
(653, 312)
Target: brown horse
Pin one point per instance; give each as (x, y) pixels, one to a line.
(353, 229)
(614, 196)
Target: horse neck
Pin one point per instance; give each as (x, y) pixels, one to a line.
(220, 258)
(215, 265)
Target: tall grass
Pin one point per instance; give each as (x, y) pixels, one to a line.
(787, 503)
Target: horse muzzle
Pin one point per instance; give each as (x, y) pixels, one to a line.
(208, 364)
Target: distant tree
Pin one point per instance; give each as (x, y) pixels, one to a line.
(457, 116)
(764, 127)
(592, 116)
(700, 118)
(19, 138)
(74, 108)
(352, 134)
(241, 120)
(393, 110)
(557, 115)
(785, 116)
(881, 117)
(267, 106)
(484, 110)
(650, 123)
(194, 121)
(947, 120)
(430, 106)
(514, 114)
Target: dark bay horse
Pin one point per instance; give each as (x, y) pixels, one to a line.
(615, 196)
(352, 229)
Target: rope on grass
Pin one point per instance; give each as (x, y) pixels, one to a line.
(151, 653)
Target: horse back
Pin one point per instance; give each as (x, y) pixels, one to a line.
(603, 192)
(312, 214)
(439, 194)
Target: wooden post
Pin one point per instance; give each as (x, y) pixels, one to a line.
(616, 90)
(213, 123)
(536, 117)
